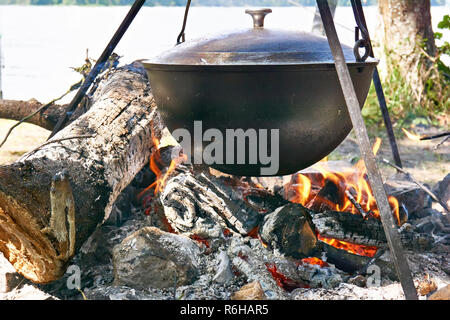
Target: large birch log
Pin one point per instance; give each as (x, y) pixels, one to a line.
(53, 198)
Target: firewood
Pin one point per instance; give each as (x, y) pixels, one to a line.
(423, 187)
(367, 231)
(347, 261)
(290, 230)
(35, 235)
(197, 203)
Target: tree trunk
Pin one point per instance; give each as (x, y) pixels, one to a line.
(406, 25)
(53, 198)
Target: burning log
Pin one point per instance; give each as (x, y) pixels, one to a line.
(364, 231)
(197, 203)
(201, 204)
(290, 230)
(53, 198)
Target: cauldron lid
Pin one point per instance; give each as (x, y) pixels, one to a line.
(254, 46)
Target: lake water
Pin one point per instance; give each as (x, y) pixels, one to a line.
(40, 43)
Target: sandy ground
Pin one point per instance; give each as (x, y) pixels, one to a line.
(24, 138)
(421, 159)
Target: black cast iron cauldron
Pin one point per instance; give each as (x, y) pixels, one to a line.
(260, 79)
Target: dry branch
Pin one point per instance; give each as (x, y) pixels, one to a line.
(424, 188)
(17, 110)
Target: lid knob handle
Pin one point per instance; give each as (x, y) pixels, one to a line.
(258, 16)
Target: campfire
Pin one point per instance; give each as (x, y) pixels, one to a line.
(322, 190)
(173, 230)
(323, 193)
(316, 196)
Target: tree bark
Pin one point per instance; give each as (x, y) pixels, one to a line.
(406, 24)
(17, 110)
(53, 198)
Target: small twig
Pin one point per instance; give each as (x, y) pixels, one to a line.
(432, 59)
(424, 188)
(441, 143)
(437, 136)
(20, 283)
(355, 203)
(43, 108)
(59, 140)
(82, 294)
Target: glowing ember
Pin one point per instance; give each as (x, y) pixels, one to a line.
(358, 249)
(200, 240)
(168, 225)
(227, 232)
(254, 233)
(315, 261)
(282, 281)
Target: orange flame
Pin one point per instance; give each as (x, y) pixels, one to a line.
(303, 189)
(368, 251)
(353, 182)
(161, 176)
(394, 204)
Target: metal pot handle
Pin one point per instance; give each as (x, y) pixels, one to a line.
(258, 16)
(181, 37)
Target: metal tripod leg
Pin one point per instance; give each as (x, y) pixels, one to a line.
(359, 12)
(376, 182)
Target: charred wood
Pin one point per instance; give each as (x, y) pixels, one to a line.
(369, 231)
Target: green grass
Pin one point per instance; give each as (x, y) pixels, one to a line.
(404, 111)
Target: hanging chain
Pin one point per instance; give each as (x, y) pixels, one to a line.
(181, 37)
(364, 41)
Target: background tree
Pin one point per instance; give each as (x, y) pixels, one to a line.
(410, 58)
